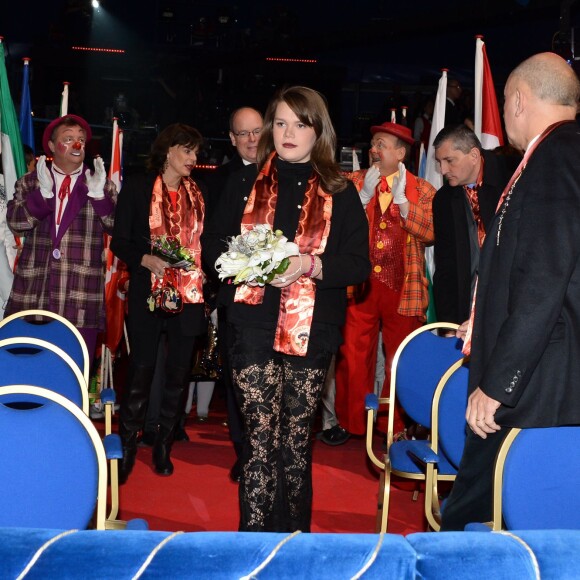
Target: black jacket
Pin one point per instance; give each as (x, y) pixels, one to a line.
(130, 242)
(345, 259)
(452, 278)
(526, 338)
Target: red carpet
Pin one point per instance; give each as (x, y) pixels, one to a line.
(199, 496)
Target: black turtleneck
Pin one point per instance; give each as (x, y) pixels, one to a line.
(345, 259)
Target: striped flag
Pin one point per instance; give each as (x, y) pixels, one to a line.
(26, 130)
(487, 121)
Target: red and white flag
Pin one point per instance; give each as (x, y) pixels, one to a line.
(487, 122)
(116, 272)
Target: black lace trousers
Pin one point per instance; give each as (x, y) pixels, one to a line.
(278, 397)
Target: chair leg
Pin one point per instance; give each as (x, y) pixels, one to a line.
(384, 497)
(114, 489)
(432, 510)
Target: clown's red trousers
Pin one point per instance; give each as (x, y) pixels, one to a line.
(356, 360)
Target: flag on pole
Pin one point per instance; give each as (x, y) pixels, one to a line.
(116, 270)
(393, 115)
(26, 130)
(64, 100)
(355, 161)
(10, 141)
(13, 167)
(487, 122)
(433, 175)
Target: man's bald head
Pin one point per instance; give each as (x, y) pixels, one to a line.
(550, 79)
(541, 91)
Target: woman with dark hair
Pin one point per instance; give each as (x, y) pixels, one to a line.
(281, 337)
(163, 202)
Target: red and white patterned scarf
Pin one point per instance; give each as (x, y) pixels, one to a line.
(297, 299)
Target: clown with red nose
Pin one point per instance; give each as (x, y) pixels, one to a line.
(62, 210)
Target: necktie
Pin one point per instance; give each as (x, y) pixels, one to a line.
(471, 193)
(63, 192)
(384, 194)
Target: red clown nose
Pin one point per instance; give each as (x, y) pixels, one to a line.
(77, 145)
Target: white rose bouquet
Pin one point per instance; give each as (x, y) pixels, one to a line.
(256, 256)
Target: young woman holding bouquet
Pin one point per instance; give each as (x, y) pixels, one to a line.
(283, 334)
(159, 221)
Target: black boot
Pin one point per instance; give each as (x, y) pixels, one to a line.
(128, 461)
(132, 415)
(162, 451)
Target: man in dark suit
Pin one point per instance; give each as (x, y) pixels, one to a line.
(245, 127)
(231, 184)
(462, 211)
(525, 356)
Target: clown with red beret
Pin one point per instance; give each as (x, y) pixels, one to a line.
(394, 300)
(62, 210)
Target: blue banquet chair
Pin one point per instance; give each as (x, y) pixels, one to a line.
(54, 469)
(421, 360)
(443, 450)
(40, 363)
(51, 327)
(536, 477)
(54, 328)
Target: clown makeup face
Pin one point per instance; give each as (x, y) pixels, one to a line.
(386, 153)
(68, 147)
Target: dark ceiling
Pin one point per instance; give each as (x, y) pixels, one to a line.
(214, 53)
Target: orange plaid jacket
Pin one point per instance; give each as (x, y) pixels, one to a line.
(419, 227)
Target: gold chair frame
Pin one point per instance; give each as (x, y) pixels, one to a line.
(384, 465)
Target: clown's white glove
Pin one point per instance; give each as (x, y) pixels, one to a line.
(372, 177)
(96, 181)
(398, 190)
(44, 178)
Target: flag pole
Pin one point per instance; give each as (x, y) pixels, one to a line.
(64, 100)
(478, 86)
(26, 129)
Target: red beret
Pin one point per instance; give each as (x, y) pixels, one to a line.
(399, 131)
(46, 136)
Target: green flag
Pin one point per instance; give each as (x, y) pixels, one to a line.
(10, 141)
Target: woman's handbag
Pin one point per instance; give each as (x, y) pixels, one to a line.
(166, 299)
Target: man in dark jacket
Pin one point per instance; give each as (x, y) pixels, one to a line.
(525, 355)
(462, 212)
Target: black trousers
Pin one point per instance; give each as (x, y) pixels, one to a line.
(471, 498)
(145, 333)
(278, 396)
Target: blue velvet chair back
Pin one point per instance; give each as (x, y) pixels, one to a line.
(540, 480)
(421, 364)
(41, 364)
(53, 462)
(452, 424)
(54, 329)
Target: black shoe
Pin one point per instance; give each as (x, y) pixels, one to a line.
(180, 434)
(334, 436)
(147, 439)
(236, 471)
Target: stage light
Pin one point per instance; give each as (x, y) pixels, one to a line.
(95, 3)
